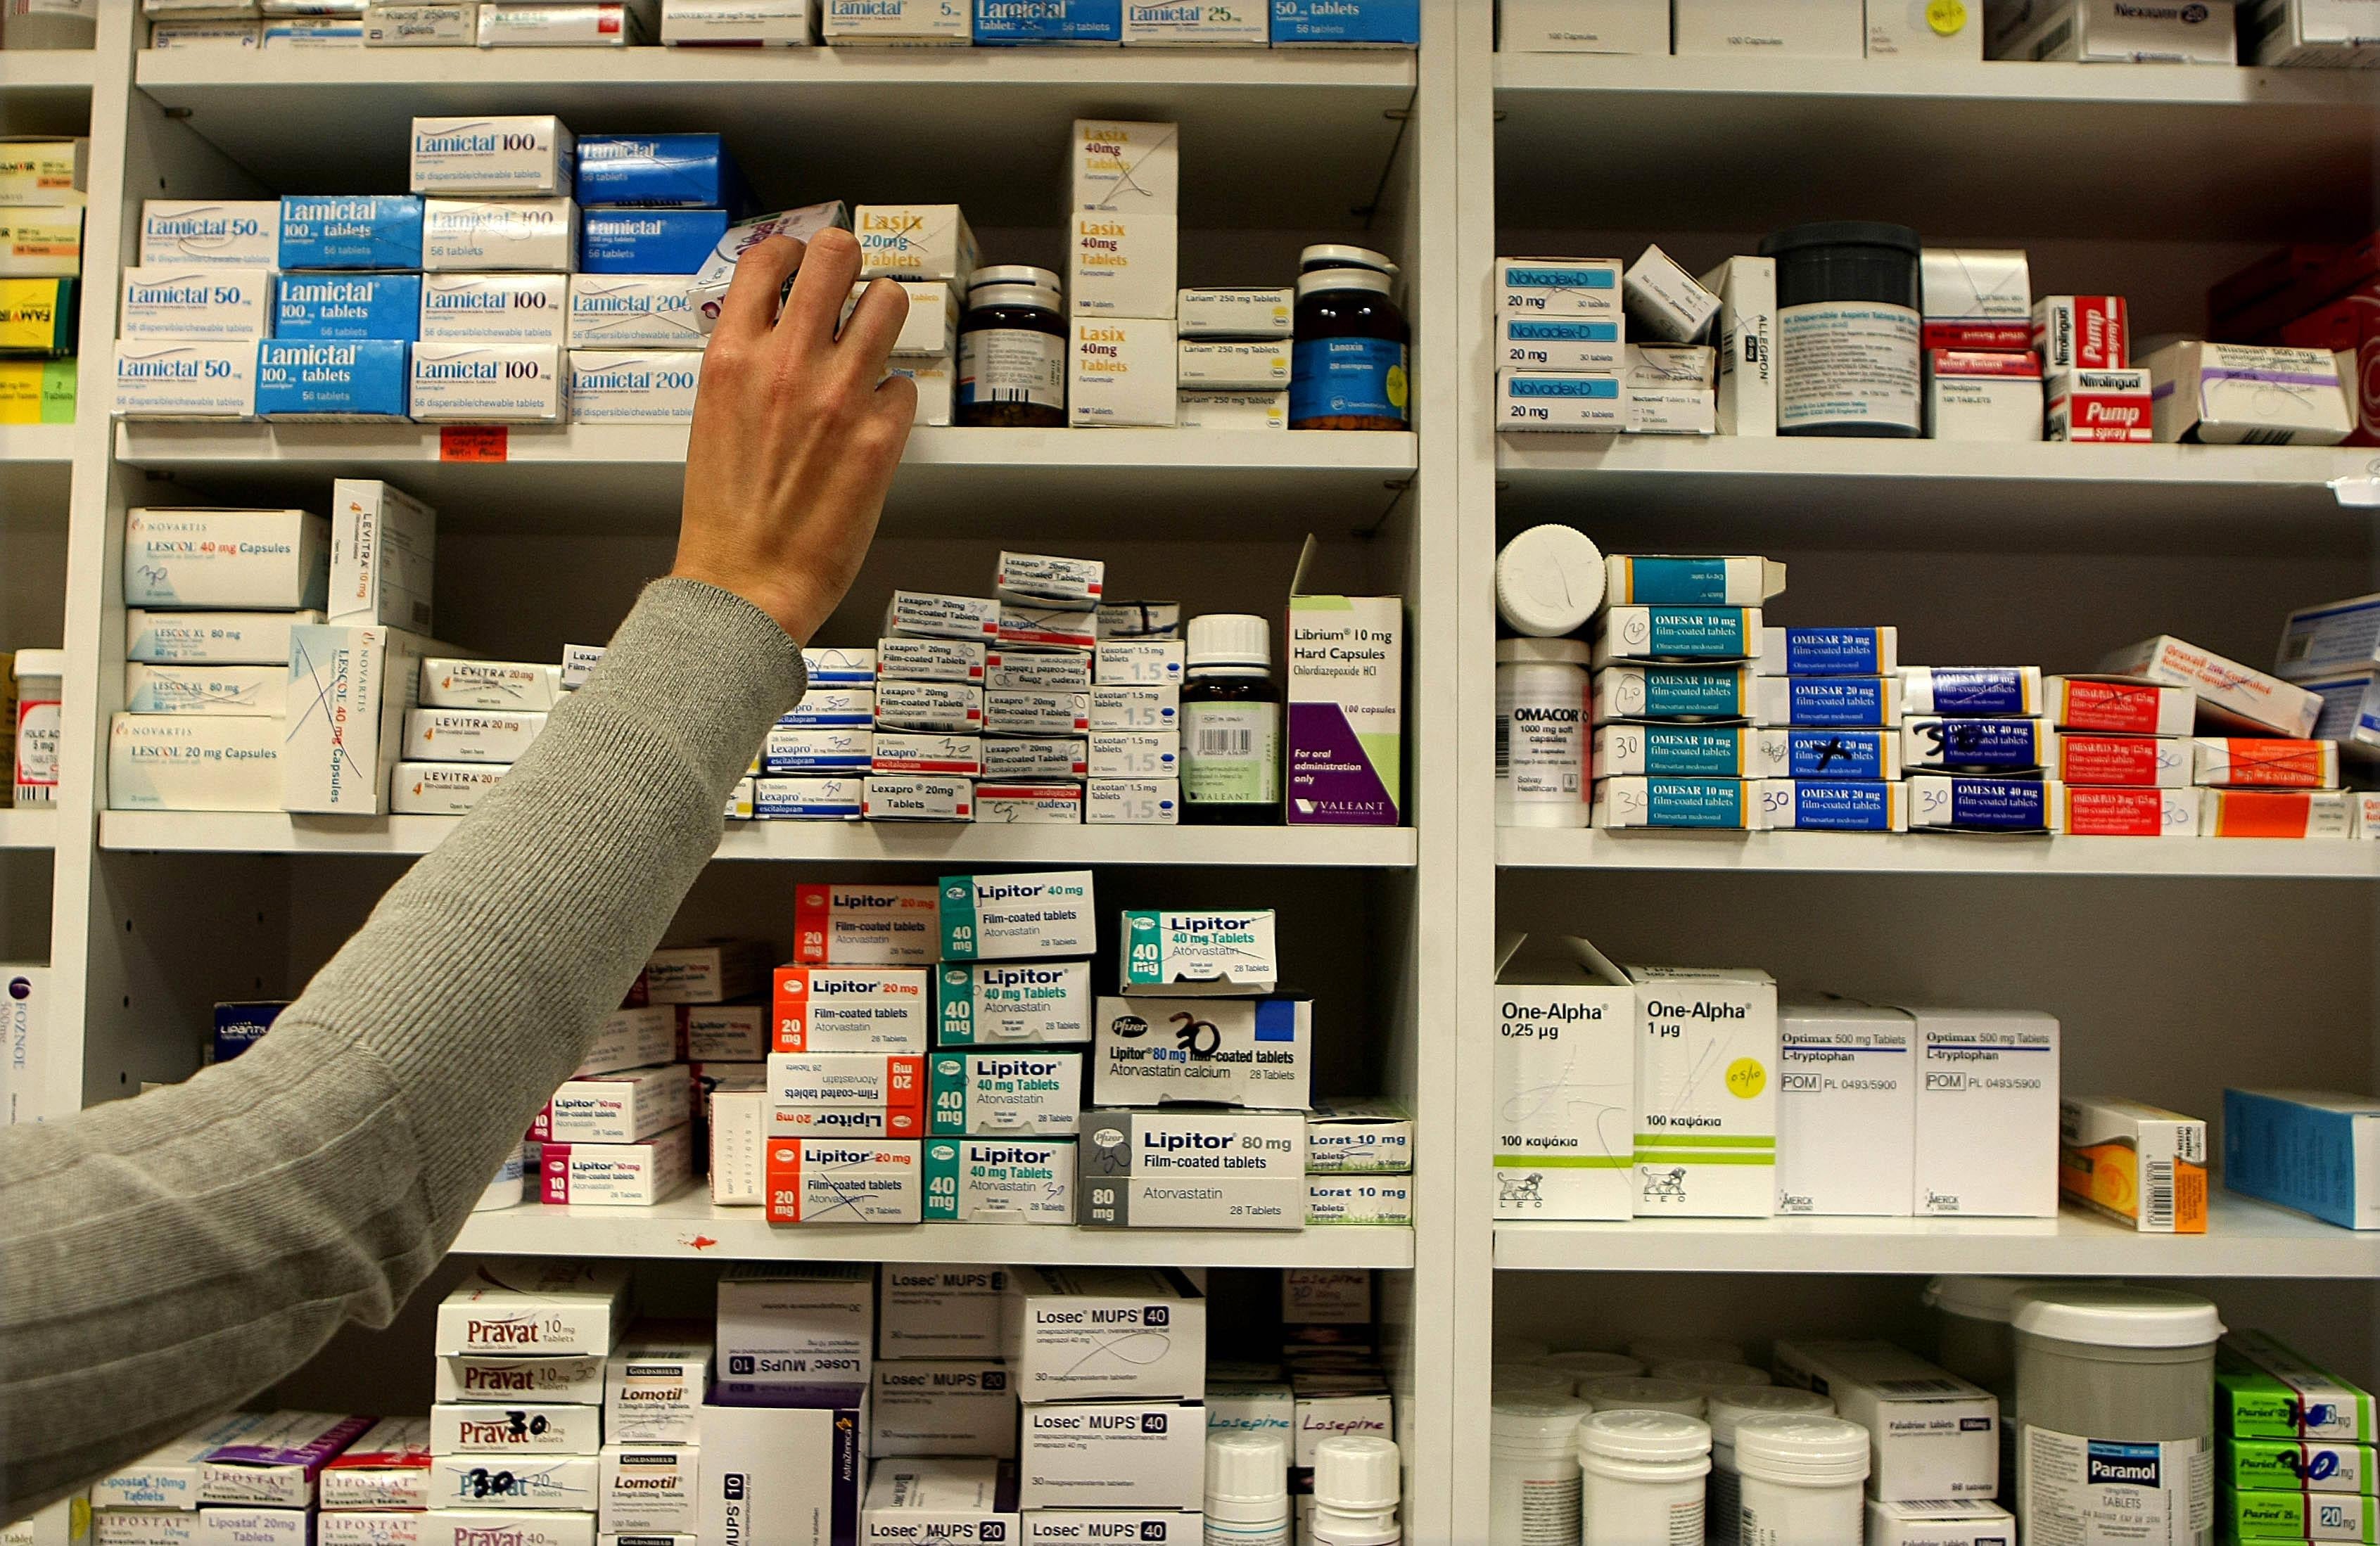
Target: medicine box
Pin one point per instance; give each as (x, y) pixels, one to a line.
(917, 797)
(491, 308)
(1132, 755)
(465, 235)
(1124, 1333)
(1583, 27)
(387, 1468)
(358, 379)
(1000, 1181)
(526, 1428)
(2265, 1389)
(1931, 1434)
(41, 243)
(1920, 29)
(623, 311)
(926, 660)
(1040, 671)
(1971, 395)
(2235, 393)
(616, 1174)
(351, 690)
(489, 684)
(509, 155)
(1231, 411)
(1152, 708)
(485, 735)
(218, 233)
(1846, 1109)
(1121, 373)
(2138, 1164)
(1938, 1522)
(2229, 695)
(383, 556)
(1987, 1114)
(1726, 804)
(715, 972)
(621, 387)
(1771, 28)
(1127, 166)
(1663, 301)
(808, 798)
(1558, 287)
(993, 917)
(647, 1487)
(2317, 1151)
(2087, 757)
(2113, 32)
(632, 1037)
(1360, 1135)
(346, 306)
(625, 1107)
(1630, 633)
(922, 752)
(2081, 333)
(709, 285)
(2312, 814)
(1580, 401)
(656, 171)
(1251, 1052)
(540, 1305)
(1705, 1148)
(1233, 313)
(1565, 1113)
(843, 1180)
(990, 1003)
(799, 1324)
(367, 231)
(1111, 1453)
(914, 242)
(2336, 637)
(2112, 407)
(648, 241)
(1023, 1091)
(514, 383)
(837, 749)
(1932, 741)
(159, 302)
(1054, 713)
(920, 614)
(2281, 33)
(1185, 954)
(1360, 23)
(461, 1526)
(778, 1476)
(940, 1312)
(2254, 762)
(204, 689)
(865, 925)
(725, 1033)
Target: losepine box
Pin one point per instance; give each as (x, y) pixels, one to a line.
(218, 234)
(1706, 1147)
(647, 1489)
(531, 686)
(635, 1037)
(618, 387)
(843, 1180)
(191, 302)
(1565, 1086)
(625, 1107)
(1931, 1435)
(657, 171)
(175, 379)
(648, 241)
(852, 1008)
(632, 311)
(1846, 1109)
(491, 307)
(516, 1428)
(515, 383)
(2229, 693)
(365, 231)
(2317, 1151)
(943, 1407)
(516, 155)
(1987, 1114)
(507, 1526)
(784, 1476)
(386, 1469)
(2287, 1465)
(1084, 1333)
(46, 243)
(472, 234)
(1000, 1181)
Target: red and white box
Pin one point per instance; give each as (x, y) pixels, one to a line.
(2084, 811)
(2254, 762)
(626, 1107)
(917, 797)
(2101, 407)
(2081, 333)
(893, 1082)
(515, 1428)
(1971, 395)
(724, 1033)
(388, 1468)
(371, 1527)
(634, 1037)
(1029, 805)
(2318, 814)
(852, 1010)
(2125, 704)
(2367, 814)
(867, 925)
(2122, 761)
(2349, 328)
(844, 1181)
(924, 752)
(619, 1175)
(2227, 691)
(715, 972)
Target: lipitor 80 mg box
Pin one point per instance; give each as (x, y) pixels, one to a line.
(1253, 1053)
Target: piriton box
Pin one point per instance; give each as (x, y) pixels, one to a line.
(1345, 696)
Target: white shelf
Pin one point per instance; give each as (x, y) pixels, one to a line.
(1057, 482)
(2242, 153)
(30, 70)
(866, 124)
(27, 829)
(36, 443)
(689, 1225)
(823, 843)
(2243, 1239)
(1936, 853)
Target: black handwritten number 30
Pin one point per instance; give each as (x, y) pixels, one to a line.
(1199, 1038)
(485, 1483)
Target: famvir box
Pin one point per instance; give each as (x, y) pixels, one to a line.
(1930, 1433)
(1846, 1108)
(779, 1476)
(2316, 1151)
(851, 1009)
(1987, 1114)
(1075, 1333)
(989, 917)
(383, 556)
(992, 1003)
(1345, 699)
(2229, 693)
(350, 689)
(1705, 1093)
(1252, 1053)
(534, 1306)
(865, 925)
(1565, 1114)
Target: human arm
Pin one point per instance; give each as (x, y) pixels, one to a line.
(164, 1257)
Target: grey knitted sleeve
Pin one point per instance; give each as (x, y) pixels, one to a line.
(164, 1257)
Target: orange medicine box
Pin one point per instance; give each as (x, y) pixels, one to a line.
(2103, 811)
(2138, 1164)
(2262, 761)
(2272, 813)
(866, 925)
(851, 1009)
(2124, 704)
(2131, 761)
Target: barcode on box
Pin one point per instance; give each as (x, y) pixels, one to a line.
(2157, 1196)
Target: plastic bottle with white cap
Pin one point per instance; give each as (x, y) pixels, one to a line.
(1544, 748)
(1590, 1365)
(40, 676)
(1247, 1490)
(2114, 1412)
(1726, 1411)
(1804, 1481)
(1642, 1475)
(1550, 581)
(1532, 1470)
(1641, 1393)
(1650, 1350)
(1530, 1379)
(1358, 1482)
(1711, 1375)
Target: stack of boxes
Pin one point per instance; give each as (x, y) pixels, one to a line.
(931, 249)
(500, 236)
(2096, 394)
(927, 750)
(2295, 1446)
(1110, 1365)
(651, 209)
(1973, 744)
(517, 1429)
(375, 1492)
(312, 24)
(2120, 756)
(1199, 1022)
(475, 718)
(1561, 348)
(1135, 753)
(1982, 379)
(648, 1474)
(41, 262)
(942, 1416)
(2333, 651)
(1565, 362)
(2265, 777)
(1036, 706)
(1834, 765)
(784, 1430)
(1123, 236)
(1671, 387)
(1358, 1162)
(246, 1477)
(1234, 363)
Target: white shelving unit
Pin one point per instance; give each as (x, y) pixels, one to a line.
(2175, 966)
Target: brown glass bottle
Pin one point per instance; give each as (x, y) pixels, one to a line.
(1348, 363)
(1231, 724)
(1012, 351)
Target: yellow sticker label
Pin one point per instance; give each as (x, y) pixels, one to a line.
(1396, 386)
(1746, 1078)
(1947, 17)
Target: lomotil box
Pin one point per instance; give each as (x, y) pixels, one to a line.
(1705, 1093)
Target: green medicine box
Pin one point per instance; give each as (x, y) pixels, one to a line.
(2298, 1517)
(2291, 1465)
(2267, 1390)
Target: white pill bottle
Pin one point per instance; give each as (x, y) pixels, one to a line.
(1642, 1474)
(1802, 1480)
(1544, 751)
(1726, 1411)
(1533, 1475)
(1358, 1481)
(1247, 1490)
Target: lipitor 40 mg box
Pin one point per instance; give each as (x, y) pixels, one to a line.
(1000, 1181)
(1028, 1093)
(1010, 916)
(990, 1003)
(1186, 954)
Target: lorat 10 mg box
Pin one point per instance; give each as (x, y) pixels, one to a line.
(1023, 1093)
(1243, 1052)
(1358, 1135)
(1185, 953)
(1000, 1181)
(988, 1003)
(1105, 1333)
(1565, 1113)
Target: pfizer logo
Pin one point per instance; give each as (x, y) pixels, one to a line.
(2193, 14)
(1108, 1138)
(1129, 1027)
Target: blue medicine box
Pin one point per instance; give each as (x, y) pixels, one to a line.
(1978, 804)
(241, 1026)
(317, 307)
(1829, 806)
(1841, 756)
(363, 378)
(648, 241)
(1000, 23)
(1382, 23)
(351, 231)
(2309, 1150)
(657, 171)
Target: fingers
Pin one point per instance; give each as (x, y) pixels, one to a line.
(829, 270)
(751, 307)
(875, 323)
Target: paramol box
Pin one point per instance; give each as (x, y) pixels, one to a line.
(1078, 1333)
(997, 917)
(2265, 1389)
(1254, 1053)
(1000, 1181)
(1705, 1093)
(1930, 1433)
(990, 1003)
(1192, 1170)
(1197, 954)
(1565, 1086)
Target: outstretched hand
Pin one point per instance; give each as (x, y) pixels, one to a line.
(797, 431)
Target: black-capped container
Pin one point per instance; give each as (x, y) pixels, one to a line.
(1347, 365)
(1850, 332)
(1012, 351)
